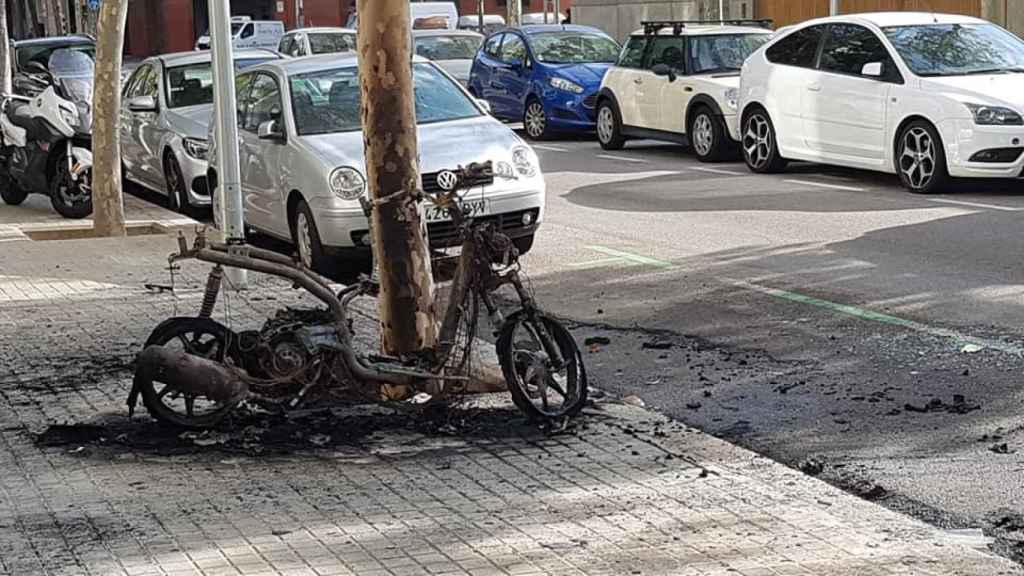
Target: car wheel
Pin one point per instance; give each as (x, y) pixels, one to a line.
(535, 120)
(306, 238)
(707, 136)
(920, 160)
(760, 146)
(609, 126)
(177, 194)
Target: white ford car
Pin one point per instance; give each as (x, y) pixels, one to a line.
(303, 169)
(678, 81)
(922, 95)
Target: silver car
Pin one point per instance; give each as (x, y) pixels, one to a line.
(310, 41)
(165, 117)
(301, 156)
(452, 50)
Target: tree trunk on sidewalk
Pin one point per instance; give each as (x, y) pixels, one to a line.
(108, 203)
(407, 315)
(5, 52)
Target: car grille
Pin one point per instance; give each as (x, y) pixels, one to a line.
(590, 101)
(443, 234)
(430, 182)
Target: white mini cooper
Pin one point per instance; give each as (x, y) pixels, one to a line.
(679, 81)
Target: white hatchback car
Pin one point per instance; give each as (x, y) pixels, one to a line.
(301, 152)
(679, 81)
(926, 96)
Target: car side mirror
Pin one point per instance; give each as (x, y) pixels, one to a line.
(872, 69)
(484, 104)
(270, 130)
(664, 70)
(142, 104)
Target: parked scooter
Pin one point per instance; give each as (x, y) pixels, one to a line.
(47, 138)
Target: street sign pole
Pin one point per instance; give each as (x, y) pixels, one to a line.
(833, 7)
(225, 104)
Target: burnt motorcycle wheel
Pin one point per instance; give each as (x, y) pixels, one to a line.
(540, 389)
(10, 192)
(202, 337)
(70, 198)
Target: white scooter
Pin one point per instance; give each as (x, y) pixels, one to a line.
(46, 139)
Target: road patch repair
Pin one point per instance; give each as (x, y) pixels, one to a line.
(967, 343)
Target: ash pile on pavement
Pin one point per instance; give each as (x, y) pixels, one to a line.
(1007, 527)
(257, 433)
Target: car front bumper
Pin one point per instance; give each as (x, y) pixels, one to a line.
(964, 140)
(347, 228)
(568, 111)
(194, 172)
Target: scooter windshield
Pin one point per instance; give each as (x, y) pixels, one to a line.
(73, 73)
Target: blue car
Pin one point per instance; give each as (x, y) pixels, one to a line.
(546, 76)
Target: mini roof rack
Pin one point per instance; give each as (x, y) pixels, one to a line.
(654, 26)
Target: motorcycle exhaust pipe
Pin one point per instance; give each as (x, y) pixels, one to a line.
(190, 374)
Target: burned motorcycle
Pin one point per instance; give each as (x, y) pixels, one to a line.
(194, 371)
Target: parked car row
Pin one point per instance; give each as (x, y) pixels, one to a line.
(926, 96)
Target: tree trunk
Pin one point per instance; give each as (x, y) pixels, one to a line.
(5, 53)
(108, 204)
(407, 315)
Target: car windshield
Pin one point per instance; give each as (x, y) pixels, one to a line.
(328, 101)
(331, 42)
(192, 85)
(42, 53)
(573, 48)
(455, 47)
(723, 52)
(957, 49)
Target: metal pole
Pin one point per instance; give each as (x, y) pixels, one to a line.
(833, 7)
(558, 11)
(228, 172)
(480, 14)
(721, 9)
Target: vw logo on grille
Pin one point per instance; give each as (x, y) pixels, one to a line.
(447, 180)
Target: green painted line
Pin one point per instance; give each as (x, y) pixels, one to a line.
(631, 257)
(845, 309)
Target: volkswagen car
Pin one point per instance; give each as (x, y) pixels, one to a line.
(545, 76)
(303, 171)
(921, 95)
(168, 103)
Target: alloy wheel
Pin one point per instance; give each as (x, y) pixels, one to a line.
(703, 135)
(917, 161)
(305, 240)
(605, 124)
(535, 122)
(175, 193)
(757, 141)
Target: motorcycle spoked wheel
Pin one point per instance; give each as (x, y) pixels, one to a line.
(201, 337)
(540, 390)
(71, 199)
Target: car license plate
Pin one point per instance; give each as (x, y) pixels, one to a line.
(471, 208)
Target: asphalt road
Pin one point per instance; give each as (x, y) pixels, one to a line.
(824, 316)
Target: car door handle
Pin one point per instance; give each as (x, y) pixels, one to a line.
(688, 88)
(638, 80)
(814, 87)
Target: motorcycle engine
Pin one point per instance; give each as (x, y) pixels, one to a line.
(294, 342)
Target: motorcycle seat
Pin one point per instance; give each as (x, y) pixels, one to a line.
(20, 115)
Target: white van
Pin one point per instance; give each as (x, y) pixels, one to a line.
(425, 16)
(249, 33)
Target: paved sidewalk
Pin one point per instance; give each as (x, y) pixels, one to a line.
(83, 490)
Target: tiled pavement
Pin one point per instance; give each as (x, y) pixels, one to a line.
(623, 492)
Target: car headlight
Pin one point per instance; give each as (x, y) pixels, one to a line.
(347, 183)
(732, 97)
(505, 170)
(994, 115)
(196, 148)
(523, 160)
(563, 84)
(69, 116)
